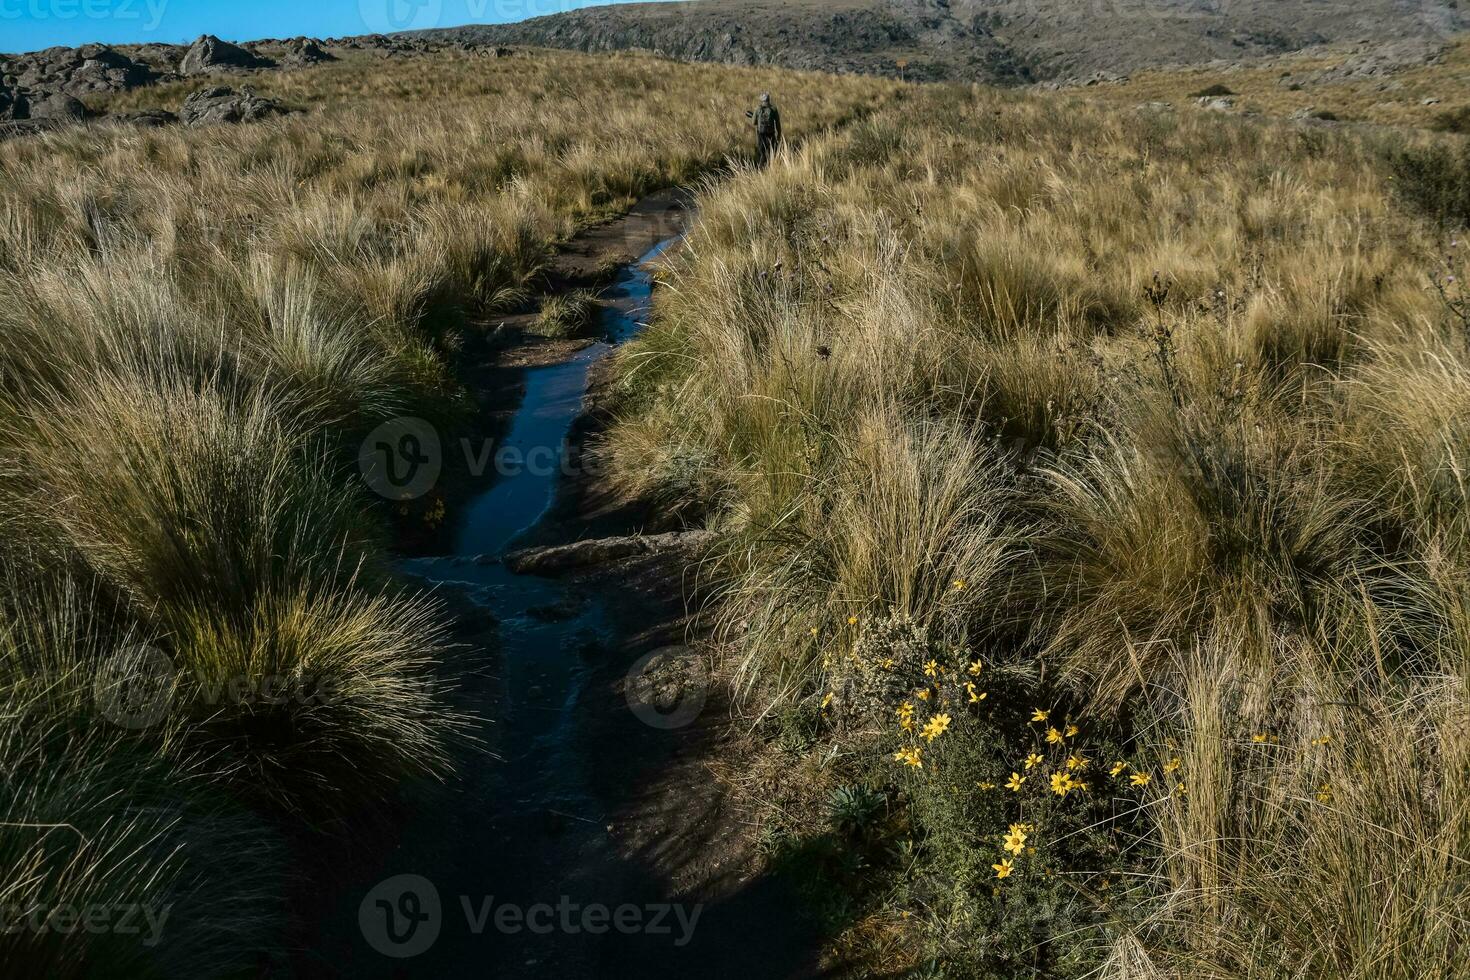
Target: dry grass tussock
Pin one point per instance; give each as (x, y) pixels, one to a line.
(199, 327)
(1146, 437)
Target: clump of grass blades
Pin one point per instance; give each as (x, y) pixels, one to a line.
(570, 314)
(102, 821)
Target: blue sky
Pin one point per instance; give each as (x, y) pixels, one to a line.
(26, 25)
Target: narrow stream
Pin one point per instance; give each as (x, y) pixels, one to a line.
(539, 429)
(528, 826)
(546, 633)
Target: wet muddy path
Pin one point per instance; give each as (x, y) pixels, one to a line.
(590, 839)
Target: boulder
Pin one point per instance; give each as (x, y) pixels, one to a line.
(302, 51)
(225, 105)
(1222, 104)
(13, 104)
(1313, 114)
(209, 55)
(58, 106)
(147, 118)
(101, 69)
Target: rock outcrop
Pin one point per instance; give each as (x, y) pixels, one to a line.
(211, 56)
(304, 51)
(59, 107)
(79, 71)
(43, 89)
(147, 118)
(225, 105)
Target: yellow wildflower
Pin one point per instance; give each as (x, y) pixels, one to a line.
(852, 621)
(1077, 761)
(1172, 764)
(931, 669)
(975, 698)
(1033, 760)
(1015, 843)
(974, 668)
(827, 701)
(1117, 768)
(984, 785)
(960, 584)
(1139, 779)
(910, 756)
(924, 694)
(1258, 737)
(935, 727)
(1324, 793)
(1061, 783)
(1071, 730)
(1002, 870)
(1322, 741)
(1014, 783)
(1053, 736)
(1038, 715)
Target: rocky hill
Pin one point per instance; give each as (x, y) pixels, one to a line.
(1006, 41)
(43, 89)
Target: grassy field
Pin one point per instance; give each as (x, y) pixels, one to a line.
(1090, 483)
(200, 325)
(1426, 96)
(1092, 490)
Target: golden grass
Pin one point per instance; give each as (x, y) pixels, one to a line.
(1396, 99)
(1162, 407)
(200, 325)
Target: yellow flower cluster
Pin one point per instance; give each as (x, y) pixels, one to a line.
(945, 686)
(1014, 843)
(935, 727)
(910, 755)
(1062, 783)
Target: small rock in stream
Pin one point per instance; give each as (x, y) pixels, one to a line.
(560, 611)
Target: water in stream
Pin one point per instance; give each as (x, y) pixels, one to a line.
(534, 445)
(526, 827)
